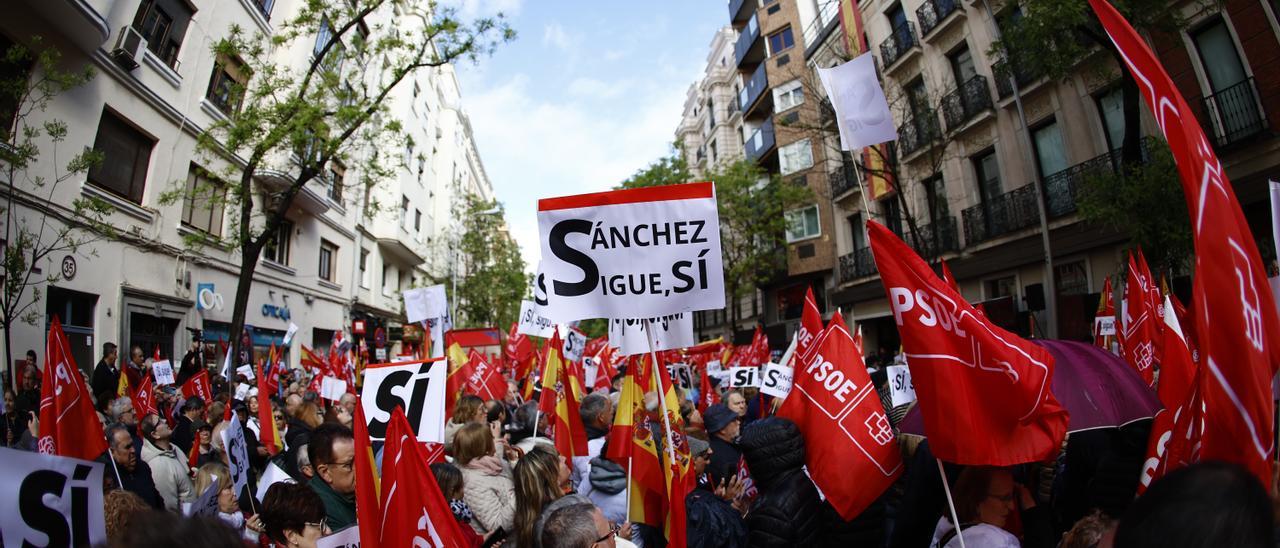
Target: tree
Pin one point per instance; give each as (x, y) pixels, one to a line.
(1164, 233)
(493, 279)
(752, 222)
(46, 228)
(291, 122)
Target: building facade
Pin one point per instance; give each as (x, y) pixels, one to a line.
(331, 267)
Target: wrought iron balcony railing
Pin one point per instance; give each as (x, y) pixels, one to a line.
(1008, 212)
(922, 129)
(933, 12)
(901, 39)
(858, 264)
(843, 180)
(1235, 114)
(966, 102)
(1000, 72)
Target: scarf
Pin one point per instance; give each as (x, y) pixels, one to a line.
(488, 464)
(460, 510)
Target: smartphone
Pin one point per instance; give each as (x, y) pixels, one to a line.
(496, 538)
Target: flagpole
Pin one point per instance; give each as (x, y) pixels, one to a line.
(662, 393)
(110, 457)
(951, 503)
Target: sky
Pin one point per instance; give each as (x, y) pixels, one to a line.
(588, 93)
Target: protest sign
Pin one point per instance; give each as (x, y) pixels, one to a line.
(862, 113)
(163, 372)
(346, 538)
(418, 387)
(424, 303)
(631, 253)
(533, 324)
(50, 500)
(271, 475)
(670, 332)
(242, 391)
(332, 389)
(288, 335)
(776, 380)
(900, 386)
(237, 453)
(681, 376)
(245, 370)
(575, 342)
(1105, 326)
(207, 504)
(741, 377)
(590, 370)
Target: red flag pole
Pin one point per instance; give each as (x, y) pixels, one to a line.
(951, 503)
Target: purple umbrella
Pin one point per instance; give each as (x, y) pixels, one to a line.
(1098, 389)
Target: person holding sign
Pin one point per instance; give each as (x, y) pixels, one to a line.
(228, 508)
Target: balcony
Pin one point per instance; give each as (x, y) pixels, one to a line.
(753, 89)
(761, 142)
(1063, 188)
(966, 102)
(1000, 72)
(936, 238)
(820, 29)
(843, 180)
(750, 48)
(1006, 213)
(858, 264)
(1234, 113)
(740, 10)
(902, 40)
(918, 132)
(81, 22)
(933, 12)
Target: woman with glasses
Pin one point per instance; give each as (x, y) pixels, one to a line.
(228, 508)
(986, 499)
(293, 516)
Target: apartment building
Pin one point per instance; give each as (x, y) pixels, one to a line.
(330, 268)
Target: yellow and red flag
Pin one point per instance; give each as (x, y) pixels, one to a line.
(559, 403)
(677, 465)
(632, 443)
(269, 431)
(459, 372)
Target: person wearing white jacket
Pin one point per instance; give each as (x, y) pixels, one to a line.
(168, 470)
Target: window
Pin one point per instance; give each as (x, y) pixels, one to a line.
(962, 65)
(202, 205)
(857, 231)
(1218, 56)
(788, 95)
(936, 195)
(711, 112)
(987, 173)
(417, 220)
(795, 156)
(386, 269)
(265, 6)
(322, 37)
(328, 260)
(1235, 105)
(277, 248)
(126, 152)
(1001, 287)
(802, 224)
(404, 211)
(711, 152)
(163, 23)
(897, 21)
(11, 71)
(364, 268)
(918, 98)
(227, 84)
(1051, 152)
(781, 40)
(336, 173)
(1111, 110)
(892, 212)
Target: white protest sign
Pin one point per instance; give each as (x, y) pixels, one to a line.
(380, 354)
(591, 370)
(271, 475)
(632, 253)
(741, 377)
(533, 324)
(288, 335)
(862, 113)
(776, 380)
(900, 387)
(575, 342)
(207, 504)
(680, 374)
(417, 387)
(404, 358)
(332, 389)
(162, 371)
(237, 453)
(50, 500)
(242, 391)
(246, 370)
(346, 538)
(670, 332)
(1105, 326)
(415, 304)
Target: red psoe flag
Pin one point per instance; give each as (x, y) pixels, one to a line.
(1237, 327)
(414, 512)
(810, 325)
(368, 507)
(69, 427)
(950, 278)
(559, 403)
(850, 448)
(1142, 319)
(144, 399)
(199, 386)
(485, 380)
(983, 392)
(1168, 447)
(707, 396)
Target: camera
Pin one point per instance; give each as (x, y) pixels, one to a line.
(197, 336)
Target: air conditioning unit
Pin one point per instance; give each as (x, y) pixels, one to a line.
(129, 48)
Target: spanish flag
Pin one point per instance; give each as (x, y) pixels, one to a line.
(269, 431)
(459, 371)
(368, 489)
(677, 465)
(122, 388)
(632, 442)
(559, 403)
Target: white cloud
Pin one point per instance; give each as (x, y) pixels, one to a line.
(594, 88)
(554, 35)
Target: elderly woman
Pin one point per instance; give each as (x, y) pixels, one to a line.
(986, 499)
(228, 508)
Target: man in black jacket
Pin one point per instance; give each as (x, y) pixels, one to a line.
(133, 473)
(106, 378)
(723, 425)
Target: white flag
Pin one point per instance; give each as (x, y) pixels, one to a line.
(861, 109)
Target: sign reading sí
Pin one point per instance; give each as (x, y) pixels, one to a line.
(631, 253)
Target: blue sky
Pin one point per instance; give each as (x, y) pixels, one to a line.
(587, 94)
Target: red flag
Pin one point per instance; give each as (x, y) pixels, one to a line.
(604, 368)
(1142, 319)
(519, 349)
(810, 326)
(1237, 324)
(144, 399)
(1106, 309)
(193, 455)
(850, 447)
(485, 379)
(368, 510)
(268, 430)
(950, 278)
(559, 403)
(312, 361)
(707, 395)
(155, 354)
(983, 392)
(754, 354)
(1167, 446)
(69, 427)
(414, 512)
(198, 386)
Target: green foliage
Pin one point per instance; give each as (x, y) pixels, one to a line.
(1163, 229)
(667, 170)
(493, 280)
(596, 327)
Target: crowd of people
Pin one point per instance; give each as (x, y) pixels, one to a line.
(507, 485)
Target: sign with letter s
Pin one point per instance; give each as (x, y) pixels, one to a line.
(900, 386)
(741, 377)
(670, 332)
(631, 253)
(777, 380)
(532, 323)
(50, 500)
(416, 386)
